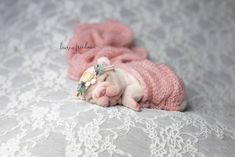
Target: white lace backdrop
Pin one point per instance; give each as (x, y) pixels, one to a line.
(40, 117)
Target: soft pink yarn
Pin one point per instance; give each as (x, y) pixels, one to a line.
(111, 39)
(163, 89)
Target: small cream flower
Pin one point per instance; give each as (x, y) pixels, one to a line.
(93, 81)
(87, 84)
(87, 76)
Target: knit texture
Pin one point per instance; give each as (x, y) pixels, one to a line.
(111, 39)
(163, 89)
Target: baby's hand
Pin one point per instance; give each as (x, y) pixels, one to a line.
(128, 99)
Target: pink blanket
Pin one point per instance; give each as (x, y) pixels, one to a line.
(111, 39)
(163, 89)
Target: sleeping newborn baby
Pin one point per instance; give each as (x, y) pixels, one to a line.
(136, 85)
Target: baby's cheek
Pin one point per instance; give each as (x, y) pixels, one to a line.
(113, 90)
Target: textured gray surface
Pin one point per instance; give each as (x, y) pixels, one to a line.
(40, 117)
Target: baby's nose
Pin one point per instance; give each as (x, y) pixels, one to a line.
(102, 92)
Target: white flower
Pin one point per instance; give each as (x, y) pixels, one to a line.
(93, 81)
(87, 84)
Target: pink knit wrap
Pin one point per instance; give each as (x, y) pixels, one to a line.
(111, 39)
(163, 89)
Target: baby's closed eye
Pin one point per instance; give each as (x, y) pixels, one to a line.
(106, 78)
(103, 78)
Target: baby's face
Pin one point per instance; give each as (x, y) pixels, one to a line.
(107, 90)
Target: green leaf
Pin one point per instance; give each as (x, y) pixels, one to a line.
(99, 69)
(81, 88)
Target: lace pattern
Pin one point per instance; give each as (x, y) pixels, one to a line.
(39, 116)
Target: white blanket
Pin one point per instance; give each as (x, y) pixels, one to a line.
(41, 117)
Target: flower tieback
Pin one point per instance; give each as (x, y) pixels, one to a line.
(88, 78)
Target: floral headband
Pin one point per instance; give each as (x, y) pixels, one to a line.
(88, 78)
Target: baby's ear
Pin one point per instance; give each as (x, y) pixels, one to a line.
(103, 60)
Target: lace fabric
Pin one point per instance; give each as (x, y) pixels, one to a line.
(40, 115)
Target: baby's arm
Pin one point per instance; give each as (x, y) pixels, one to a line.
(131, 96)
